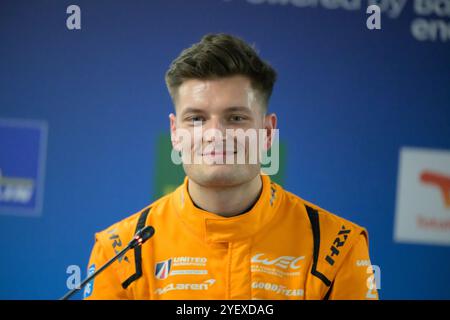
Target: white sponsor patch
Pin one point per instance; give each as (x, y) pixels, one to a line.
(273, 271)
(278, 289)
(282, 266)
(284, 262)
(423, 197)
(189, 261)
(185, 272)
(363, 263)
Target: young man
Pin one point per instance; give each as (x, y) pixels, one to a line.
(229, 232)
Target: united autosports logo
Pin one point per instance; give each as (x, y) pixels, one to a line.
(176, 266)
(162, 269)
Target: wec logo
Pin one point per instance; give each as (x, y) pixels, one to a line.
(283, 262)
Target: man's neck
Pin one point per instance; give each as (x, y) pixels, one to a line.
(226, 202)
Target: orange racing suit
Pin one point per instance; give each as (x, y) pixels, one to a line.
(282, 248)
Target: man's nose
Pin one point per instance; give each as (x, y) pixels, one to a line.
(215, 123)
(214, 130)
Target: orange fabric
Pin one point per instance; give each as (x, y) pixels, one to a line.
(265, 253)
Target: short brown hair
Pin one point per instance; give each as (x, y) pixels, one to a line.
(221, 55)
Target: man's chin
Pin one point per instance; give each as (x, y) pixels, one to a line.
(219, 175)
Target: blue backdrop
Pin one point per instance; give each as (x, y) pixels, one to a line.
(347, 98)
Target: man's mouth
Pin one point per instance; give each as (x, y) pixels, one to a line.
(219, 153)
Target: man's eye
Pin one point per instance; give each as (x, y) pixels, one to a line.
(196, 119)
(237, 118)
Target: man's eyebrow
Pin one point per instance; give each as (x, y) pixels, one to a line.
(237, 109)
(192, 110)
(227, 110)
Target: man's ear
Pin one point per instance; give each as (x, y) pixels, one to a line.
(270, 124)
(173, 132)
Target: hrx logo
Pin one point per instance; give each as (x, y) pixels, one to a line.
(338, 242)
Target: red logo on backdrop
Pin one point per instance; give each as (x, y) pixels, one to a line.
(440, 181)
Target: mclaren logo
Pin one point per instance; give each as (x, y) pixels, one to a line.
(205, 285)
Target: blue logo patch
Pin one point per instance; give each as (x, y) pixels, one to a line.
(162, 269)
(22, 162)
(89, 288)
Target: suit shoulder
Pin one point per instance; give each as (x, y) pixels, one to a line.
(123, 229)
(126, 228)
(328, 220)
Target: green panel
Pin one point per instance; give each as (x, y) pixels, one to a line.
(169, 176)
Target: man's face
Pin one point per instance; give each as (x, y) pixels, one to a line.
(217, 109)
